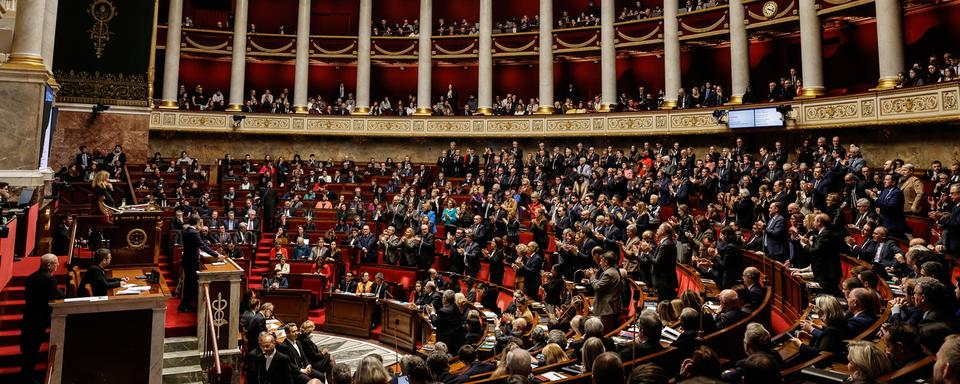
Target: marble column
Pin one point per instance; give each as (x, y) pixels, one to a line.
(424, 58)
(49, 32)
(546, 57)
(238, 62)
(671, 54)
(739, 53)
(811, 50)
(485, 71)
(889, 41)
(26, 51)
(363, 58)
(608, 56)
(301, 78)
(171, 60)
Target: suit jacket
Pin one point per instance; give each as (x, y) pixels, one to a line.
(825, 259)
(687, 342)
(664, 262)
(859, 323)
(347, 286)
(729, 263)
(633, 349)
(755, 298)
(280, 372)
(471, 255)
(890, 201)
(606, 292)
(776, 237)
(728, 318)
(368, 242)
(39, 290)
(951, 231)
(257, 324)
(475, 368)
(99, 283)
(449, 325)
(192, 244)
(888, 250)
(912, 189)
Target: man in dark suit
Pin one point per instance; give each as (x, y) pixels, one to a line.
(664, 260)
(347, 284)
(367, 245)
(293, 347)
(448, 320)
(950, 223)
(96, 275)
(481, 294)
(608, 234)
(268, 365)
(775, 234)
(531, 272)
(61, 236)
(730, 309)
(687, 342)
(468, 356)
(886, 251)
(824, 252)
(83, 159)
(258, 324)
(859, 303)
(471, 255)
(192, 244)
(39, 290)
(426, 249)
(756, 292)
(269, 202)
(890, 203)
(606, 291)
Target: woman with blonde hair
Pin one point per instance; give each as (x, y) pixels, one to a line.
(666, 313)
(866, 361)
(553, 354)
(102, 187)
(501, 369)
(830, 337)
(371, 371)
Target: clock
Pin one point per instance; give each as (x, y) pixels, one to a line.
(137, 239)
(769, 9)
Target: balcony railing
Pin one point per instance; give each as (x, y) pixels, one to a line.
(8, 6)
(927, 104)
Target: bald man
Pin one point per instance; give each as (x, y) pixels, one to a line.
(40, 289)
(947, 368)
(730, 309)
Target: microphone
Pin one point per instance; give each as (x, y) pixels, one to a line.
(396, 346)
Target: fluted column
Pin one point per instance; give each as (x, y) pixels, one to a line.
(363, 58)
(49, 32)
(300, 77)
(889, 41)
(171, 60)
(608, 57)
(546, 57)
(739, 53)
(27, 49)
(424, 58)
(238, 63)
(811, 50)
(485, 71)
(671, 54)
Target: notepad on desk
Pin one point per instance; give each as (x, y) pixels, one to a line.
(218, 263)
(128, 292)
(87, 299)
(551, 376)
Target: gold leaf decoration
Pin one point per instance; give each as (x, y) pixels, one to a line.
(106, 88)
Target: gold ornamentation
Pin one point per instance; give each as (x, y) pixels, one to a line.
(460, 126)
(837, 2)
(107, 88)
(102, 11)
(459, 52)
(203, 120)
(830, 112)
(509, 49)
(388, 126)
(270, 123)
(205, 47)
(641, 38)
(949, 100)
(137, 239)
(504, 126)
(328, 125)
(395, 53)
(866, 108)
(693, 121)
(334, 52)
(271, 50)
(707, 28)
(568, 125)
(578, 45)
(630, 124)
(909, 104)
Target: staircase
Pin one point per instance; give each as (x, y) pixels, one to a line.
(11, 313)
(181, 361)
(261, 263)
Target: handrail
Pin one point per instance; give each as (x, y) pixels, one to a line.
(73, 242)
(51, 359)
(213, 331)
(133, 193)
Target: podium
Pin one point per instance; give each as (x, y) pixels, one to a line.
(113, 338)
(350, 314)
(223, 280)
(289, 305)
(403, 326)
(135, 241)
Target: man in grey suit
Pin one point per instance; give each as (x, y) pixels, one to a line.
(664, 262)
(392, 245)
(606, 291)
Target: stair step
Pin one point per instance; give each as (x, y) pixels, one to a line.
(186, 374)
(174, 344)
(181, 358)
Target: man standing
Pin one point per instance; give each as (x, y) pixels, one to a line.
(367, 245)
(269, 366)
(40, 289)
(606, 288)
(192, 244)
(775, 234)
(664, 262)
(950, 222)
(824, 252)
(890, 204)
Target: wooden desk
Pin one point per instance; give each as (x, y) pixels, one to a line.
(124, 332)
(289, 305)
(402, 325)
(349, 314)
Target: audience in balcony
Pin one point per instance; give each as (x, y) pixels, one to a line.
(936, 70)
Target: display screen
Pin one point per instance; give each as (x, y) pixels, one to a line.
(754, 118)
